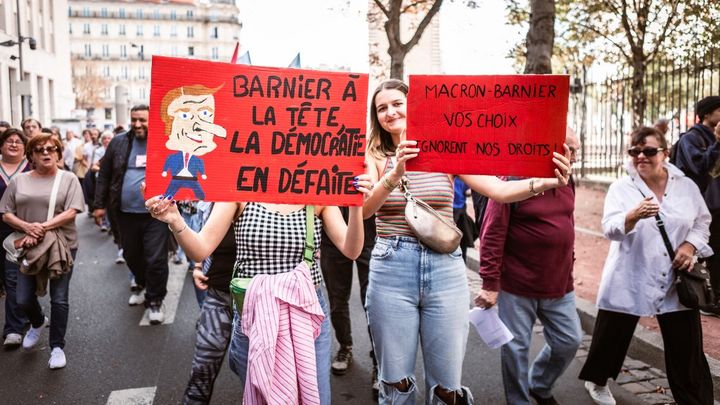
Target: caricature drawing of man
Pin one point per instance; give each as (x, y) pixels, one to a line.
(189, 113)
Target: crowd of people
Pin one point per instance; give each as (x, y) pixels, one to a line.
(413, 296)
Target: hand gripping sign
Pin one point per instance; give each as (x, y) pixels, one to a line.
(497, 125)
(226, 132)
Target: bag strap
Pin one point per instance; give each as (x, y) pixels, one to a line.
(661, 227)
(309, 252)
(53, 195)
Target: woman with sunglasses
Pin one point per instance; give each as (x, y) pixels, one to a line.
(638, 275)
(25, 207)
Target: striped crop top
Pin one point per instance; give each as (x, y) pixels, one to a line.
(435, 189)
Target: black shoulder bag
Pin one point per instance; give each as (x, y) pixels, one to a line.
(693, 286)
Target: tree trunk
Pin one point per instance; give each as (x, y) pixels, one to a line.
(397, 63)
(540, 37)
(639, 94)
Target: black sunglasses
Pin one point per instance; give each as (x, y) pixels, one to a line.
(647, 151)
(40, 150)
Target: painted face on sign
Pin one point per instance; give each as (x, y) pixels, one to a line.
(193, 125)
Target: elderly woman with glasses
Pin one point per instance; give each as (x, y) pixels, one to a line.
(25, 207)
(12, 150)
(638, 276)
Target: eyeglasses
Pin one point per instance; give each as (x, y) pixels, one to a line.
(18, 142)
(44, 149)
(647, 151)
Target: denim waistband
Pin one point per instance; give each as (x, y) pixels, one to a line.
(407, 242)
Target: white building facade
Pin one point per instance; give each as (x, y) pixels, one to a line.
(112, 44)
(44, 92)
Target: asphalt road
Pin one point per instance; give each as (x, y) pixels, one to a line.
(112, 359)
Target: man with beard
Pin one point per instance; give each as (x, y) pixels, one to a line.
(143, 238)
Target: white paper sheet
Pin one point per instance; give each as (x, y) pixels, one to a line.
(489, 326)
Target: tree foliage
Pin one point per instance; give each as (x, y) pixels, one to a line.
(632, 33)
(90, 90)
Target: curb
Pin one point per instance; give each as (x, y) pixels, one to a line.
(646, 346)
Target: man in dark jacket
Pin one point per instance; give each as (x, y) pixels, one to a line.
(697, 155)
(143, 238)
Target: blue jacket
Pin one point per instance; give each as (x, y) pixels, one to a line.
(174, 164)
(696, 155)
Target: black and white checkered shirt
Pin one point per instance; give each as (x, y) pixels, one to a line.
(272, 243)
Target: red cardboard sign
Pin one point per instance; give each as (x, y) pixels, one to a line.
(226, 132)
(496, 125)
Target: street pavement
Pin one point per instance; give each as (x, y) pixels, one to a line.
(114, 359)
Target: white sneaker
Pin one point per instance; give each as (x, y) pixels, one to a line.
(12, 340)
(57, 359)
(600, 394)
(156, 315)
(136, 298)
(33, 335)
(120, 259)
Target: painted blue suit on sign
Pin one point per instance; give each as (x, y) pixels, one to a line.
(174, 164)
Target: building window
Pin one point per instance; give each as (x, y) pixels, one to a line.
(70, 29)
(190, 32)
(108, 113)
(106, 71)
(86, 12)
(189, 14)
(121, 13)
(141, 93)
(214, 54)
(139, 31)
(141, 72)
(103, 12)
(105, 51)
(104, 29)
(156, 31)
(174, 51)
(173, 15)
(214, 32)
(88, 50)
(123, 51)
(124, 71)
(139, 13)
(121, 29)
(86, 28)
(156, 14)
(191, 51)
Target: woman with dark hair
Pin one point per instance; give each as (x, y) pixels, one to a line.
(638, 277)
(25, 206)
(416, 295)
(12, 150)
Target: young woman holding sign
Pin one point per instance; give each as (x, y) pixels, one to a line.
(414, 293)
(270, 240)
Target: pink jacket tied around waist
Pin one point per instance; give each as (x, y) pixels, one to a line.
(282, 318)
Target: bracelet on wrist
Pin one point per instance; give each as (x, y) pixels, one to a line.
(387, 184)
(178, 232)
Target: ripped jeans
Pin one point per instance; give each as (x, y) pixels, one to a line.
(416, 295)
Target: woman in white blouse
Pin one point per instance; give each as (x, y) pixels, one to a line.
(637, 278)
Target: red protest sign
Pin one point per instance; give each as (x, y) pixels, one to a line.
(497, 125)
(226, 132)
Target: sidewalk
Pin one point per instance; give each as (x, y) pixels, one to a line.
(590, 251)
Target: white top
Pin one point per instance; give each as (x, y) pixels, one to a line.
(638, 277)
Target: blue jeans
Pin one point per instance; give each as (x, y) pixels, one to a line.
(416, 295)
(239, 343)
(15, 319)
(59, 304)
(561, 328)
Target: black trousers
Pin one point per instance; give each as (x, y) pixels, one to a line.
(338, 274)
(144, 242)
(714, 261)
(685, 362)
